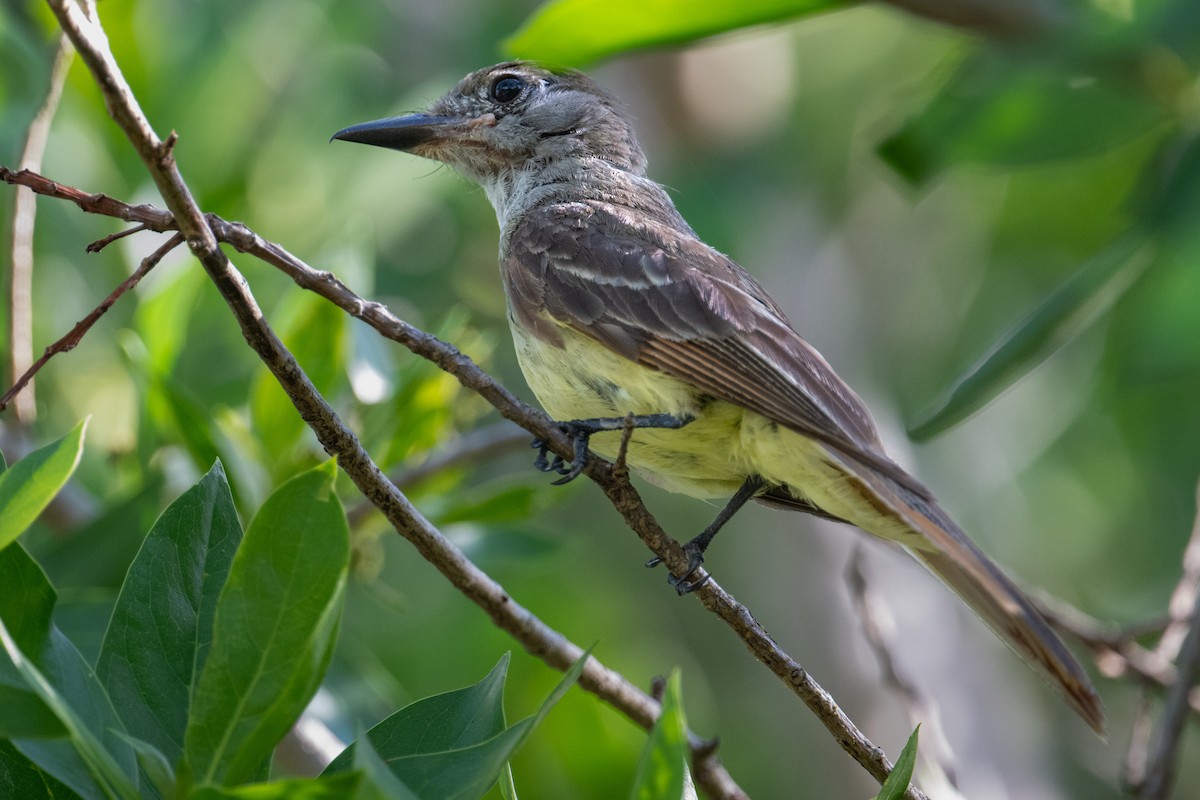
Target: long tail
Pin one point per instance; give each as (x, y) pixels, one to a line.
(938, 543)
(1009, 613)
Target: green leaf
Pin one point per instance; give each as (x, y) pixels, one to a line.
(663, 767)
(154, 766)
(896, 785)
(21, 778)
(1071, 309)
(464, 716)
(30, 484)
(58, 675)
(276, 622)
(334, 787)
(315, 332)
(379, 782)
(162, 626)
(25, 715)
(508, 789)
(454, 745)
(26, 605)
(579, 32)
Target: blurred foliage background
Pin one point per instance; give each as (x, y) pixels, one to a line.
(915, 195)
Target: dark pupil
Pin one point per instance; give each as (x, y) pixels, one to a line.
(506, 89)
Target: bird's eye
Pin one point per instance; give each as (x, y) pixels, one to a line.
(506, 88)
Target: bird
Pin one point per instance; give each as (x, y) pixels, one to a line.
(621, 315)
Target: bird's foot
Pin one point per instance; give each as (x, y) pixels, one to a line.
(579, 436)
(686, 584)
(580, 432)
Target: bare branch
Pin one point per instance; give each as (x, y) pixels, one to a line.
(1183, 598)
(478, 445)
(880, 634)
(73, 337)
(1116, 650)
(309, 747)
(24, 212)
(1133, 768)
(1164, 751)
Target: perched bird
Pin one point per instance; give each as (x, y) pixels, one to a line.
(618, 308)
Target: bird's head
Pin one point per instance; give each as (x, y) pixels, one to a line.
(508, 116)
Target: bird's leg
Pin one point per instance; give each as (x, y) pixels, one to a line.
(580, 431)
(696, 547)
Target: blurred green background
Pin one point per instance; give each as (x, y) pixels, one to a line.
(907, 191)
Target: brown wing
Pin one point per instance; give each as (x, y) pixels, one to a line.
(666, 300)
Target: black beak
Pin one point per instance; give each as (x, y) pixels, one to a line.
(399, 133)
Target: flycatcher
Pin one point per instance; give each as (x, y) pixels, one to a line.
(618, 308)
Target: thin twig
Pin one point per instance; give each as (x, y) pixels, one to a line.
(1115, 649)
(1164, 752)
(24, 213)
(620, 465)
(880, 633)
(1183, 597)
(100, 244)
(71, 340)
(1133, 769)
(1181, 643)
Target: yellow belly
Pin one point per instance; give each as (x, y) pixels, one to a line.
(710, 457)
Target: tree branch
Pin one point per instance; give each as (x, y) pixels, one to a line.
(71, 340)
(1163, 755)
(878, 627)
(24, 212)
(1180, 643)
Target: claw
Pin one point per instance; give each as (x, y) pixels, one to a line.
(695, 556)
(687, 587)
(681, 584)
(581, 430)
(540, 462)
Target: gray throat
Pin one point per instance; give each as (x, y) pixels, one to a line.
(516, 192)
